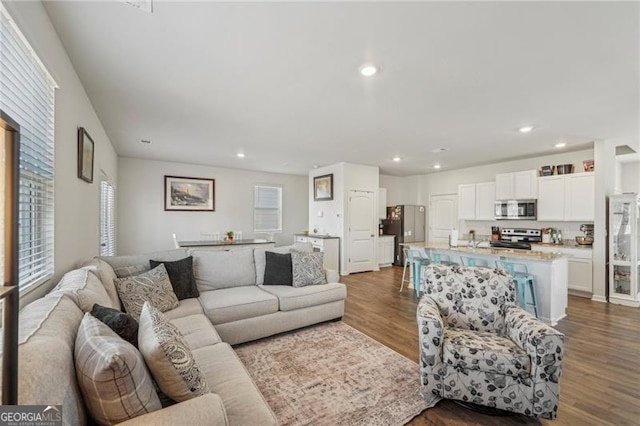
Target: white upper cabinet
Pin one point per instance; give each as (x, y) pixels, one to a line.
(579, 197)
(551, 196)
(476, 201)
(517, 186)
(485, 200)
(467, 201)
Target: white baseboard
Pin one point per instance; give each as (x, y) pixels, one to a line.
(597, 298)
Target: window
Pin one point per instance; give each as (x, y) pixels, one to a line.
(268, 208)
(27, 95)
(107, 217)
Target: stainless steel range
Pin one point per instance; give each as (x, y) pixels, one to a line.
(518, 238)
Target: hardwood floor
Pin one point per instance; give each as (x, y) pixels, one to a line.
(600, 382)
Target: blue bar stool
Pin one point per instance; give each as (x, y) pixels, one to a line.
(441, 259)
(524, 281)
(416, 263)
(473, 261)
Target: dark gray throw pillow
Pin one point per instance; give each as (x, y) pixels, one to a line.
(277, 269)
(123, 324)
(181, 276)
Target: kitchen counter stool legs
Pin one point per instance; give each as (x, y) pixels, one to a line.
(524, 284)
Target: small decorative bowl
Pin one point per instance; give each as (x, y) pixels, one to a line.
(584, 241)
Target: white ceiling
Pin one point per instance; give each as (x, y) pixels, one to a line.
(280, 82)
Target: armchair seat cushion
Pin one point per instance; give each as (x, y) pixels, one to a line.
(484, 351)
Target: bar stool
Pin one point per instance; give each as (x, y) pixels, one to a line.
(524, 281)
(416, 263)
(442, 259)
(473, 261)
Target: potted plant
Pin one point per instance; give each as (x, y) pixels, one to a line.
(229, 235)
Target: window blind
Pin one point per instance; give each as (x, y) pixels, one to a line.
(268, 208)
(107, 218)
(27, 95)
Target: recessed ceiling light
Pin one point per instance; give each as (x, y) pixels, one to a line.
(147, 141)
(368, 70)
(315, 166)
(525, 129)
(561, 145)
(240, 155)
(436, 166)
(396, 159)
(440, 150)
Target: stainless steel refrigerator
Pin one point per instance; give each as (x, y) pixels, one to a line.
(407, 223)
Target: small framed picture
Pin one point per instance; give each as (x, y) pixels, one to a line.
(85, 155)
(189, 194)
(323, 188)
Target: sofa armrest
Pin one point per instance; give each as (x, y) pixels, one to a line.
(203, 410)
(430, 331)
(332, 276)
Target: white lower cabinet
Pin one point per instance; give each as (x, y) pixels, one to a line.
(386, 245)
(580, 275)
(329, 246)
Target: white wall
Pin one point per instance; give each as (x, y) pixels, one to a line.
(629, 177)
(77, 203)
(400, 190)
(144, 226)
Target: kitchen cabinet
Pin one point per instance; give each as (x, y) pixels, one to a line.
(579, 197)
(382, 203)
(386, 245)
(329, 246)
(517, 186)
(624, 249)
(551, 197)
(579, 264)
(476, 201)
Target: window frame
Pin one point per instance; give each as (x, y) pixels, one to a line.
(106, 181)
(256, 208)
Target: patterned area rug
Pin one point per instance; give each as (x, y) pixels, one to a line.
(332, 374)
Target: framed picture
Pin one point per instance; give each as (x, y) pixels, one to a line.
(85, 155)
(189, 194)
(323, 188)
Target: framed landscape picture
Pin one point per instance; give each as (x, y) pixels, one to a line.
(85, 155)
(323, 188)
(189, 194)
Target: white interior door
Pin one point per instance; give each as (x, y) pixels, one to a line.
(362, 220)
(443, 212)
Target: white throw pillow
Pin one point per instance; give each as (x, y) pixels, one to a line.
(169, 357)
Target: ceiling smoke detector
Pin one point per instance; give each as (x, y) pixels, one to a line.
(440, 150)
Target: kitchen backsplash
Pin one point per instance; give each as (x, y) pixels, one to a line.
(569, 230)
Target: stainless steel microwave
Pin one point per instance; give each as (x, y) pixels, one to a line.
(516, 209)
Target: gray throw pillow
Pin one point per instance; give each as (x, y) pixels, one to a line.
(307, 268)
(152, 286)
(181, 276)
(124, 324)
(278, 269)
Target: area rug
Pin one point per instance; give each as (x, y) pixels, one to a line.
(332, 374)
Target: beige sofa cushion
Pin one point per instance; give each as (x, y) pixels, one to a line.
(168, 356)
(291, 298)
(105, 272)
(114, 379)
(203, 410)
(125, 266)
(232, 304)
(84, 288)
(152, 286)
(197, 330)
(223, 269)
(186, 307)
(228, 378)
(46, 371)
(259, 256)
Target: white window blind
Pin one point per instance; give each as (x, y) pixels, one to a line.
(27, 95)
(107, 218)
(268, 208)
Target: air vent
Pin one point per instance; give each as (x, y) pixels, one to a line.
(145, 5)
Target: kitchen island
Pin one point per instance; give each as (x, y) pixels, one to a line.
(549, 270)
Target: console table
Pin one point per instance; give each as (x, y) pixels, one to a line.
(219, 245)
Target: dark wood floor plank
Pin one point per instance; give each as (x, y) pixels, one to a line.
(601, 370)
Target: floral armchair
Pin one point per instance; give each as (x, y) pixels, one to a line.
(478, 346)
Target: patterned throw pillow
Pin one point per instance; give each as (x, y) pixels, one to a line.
(123, 324)
(152, 286)
(278, 269)
(181, 276)
(307, 269)
(115, 383)
(169, 357)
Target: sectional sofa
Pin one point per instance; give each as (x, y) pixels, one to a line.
(233, 307)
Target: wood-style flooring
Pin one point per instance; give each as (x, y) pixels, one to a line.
(600, 382)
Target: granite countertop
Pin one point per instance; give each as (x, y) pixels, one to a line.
(324, 237)
(204, 243)
(504, 252)
(572, 245)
